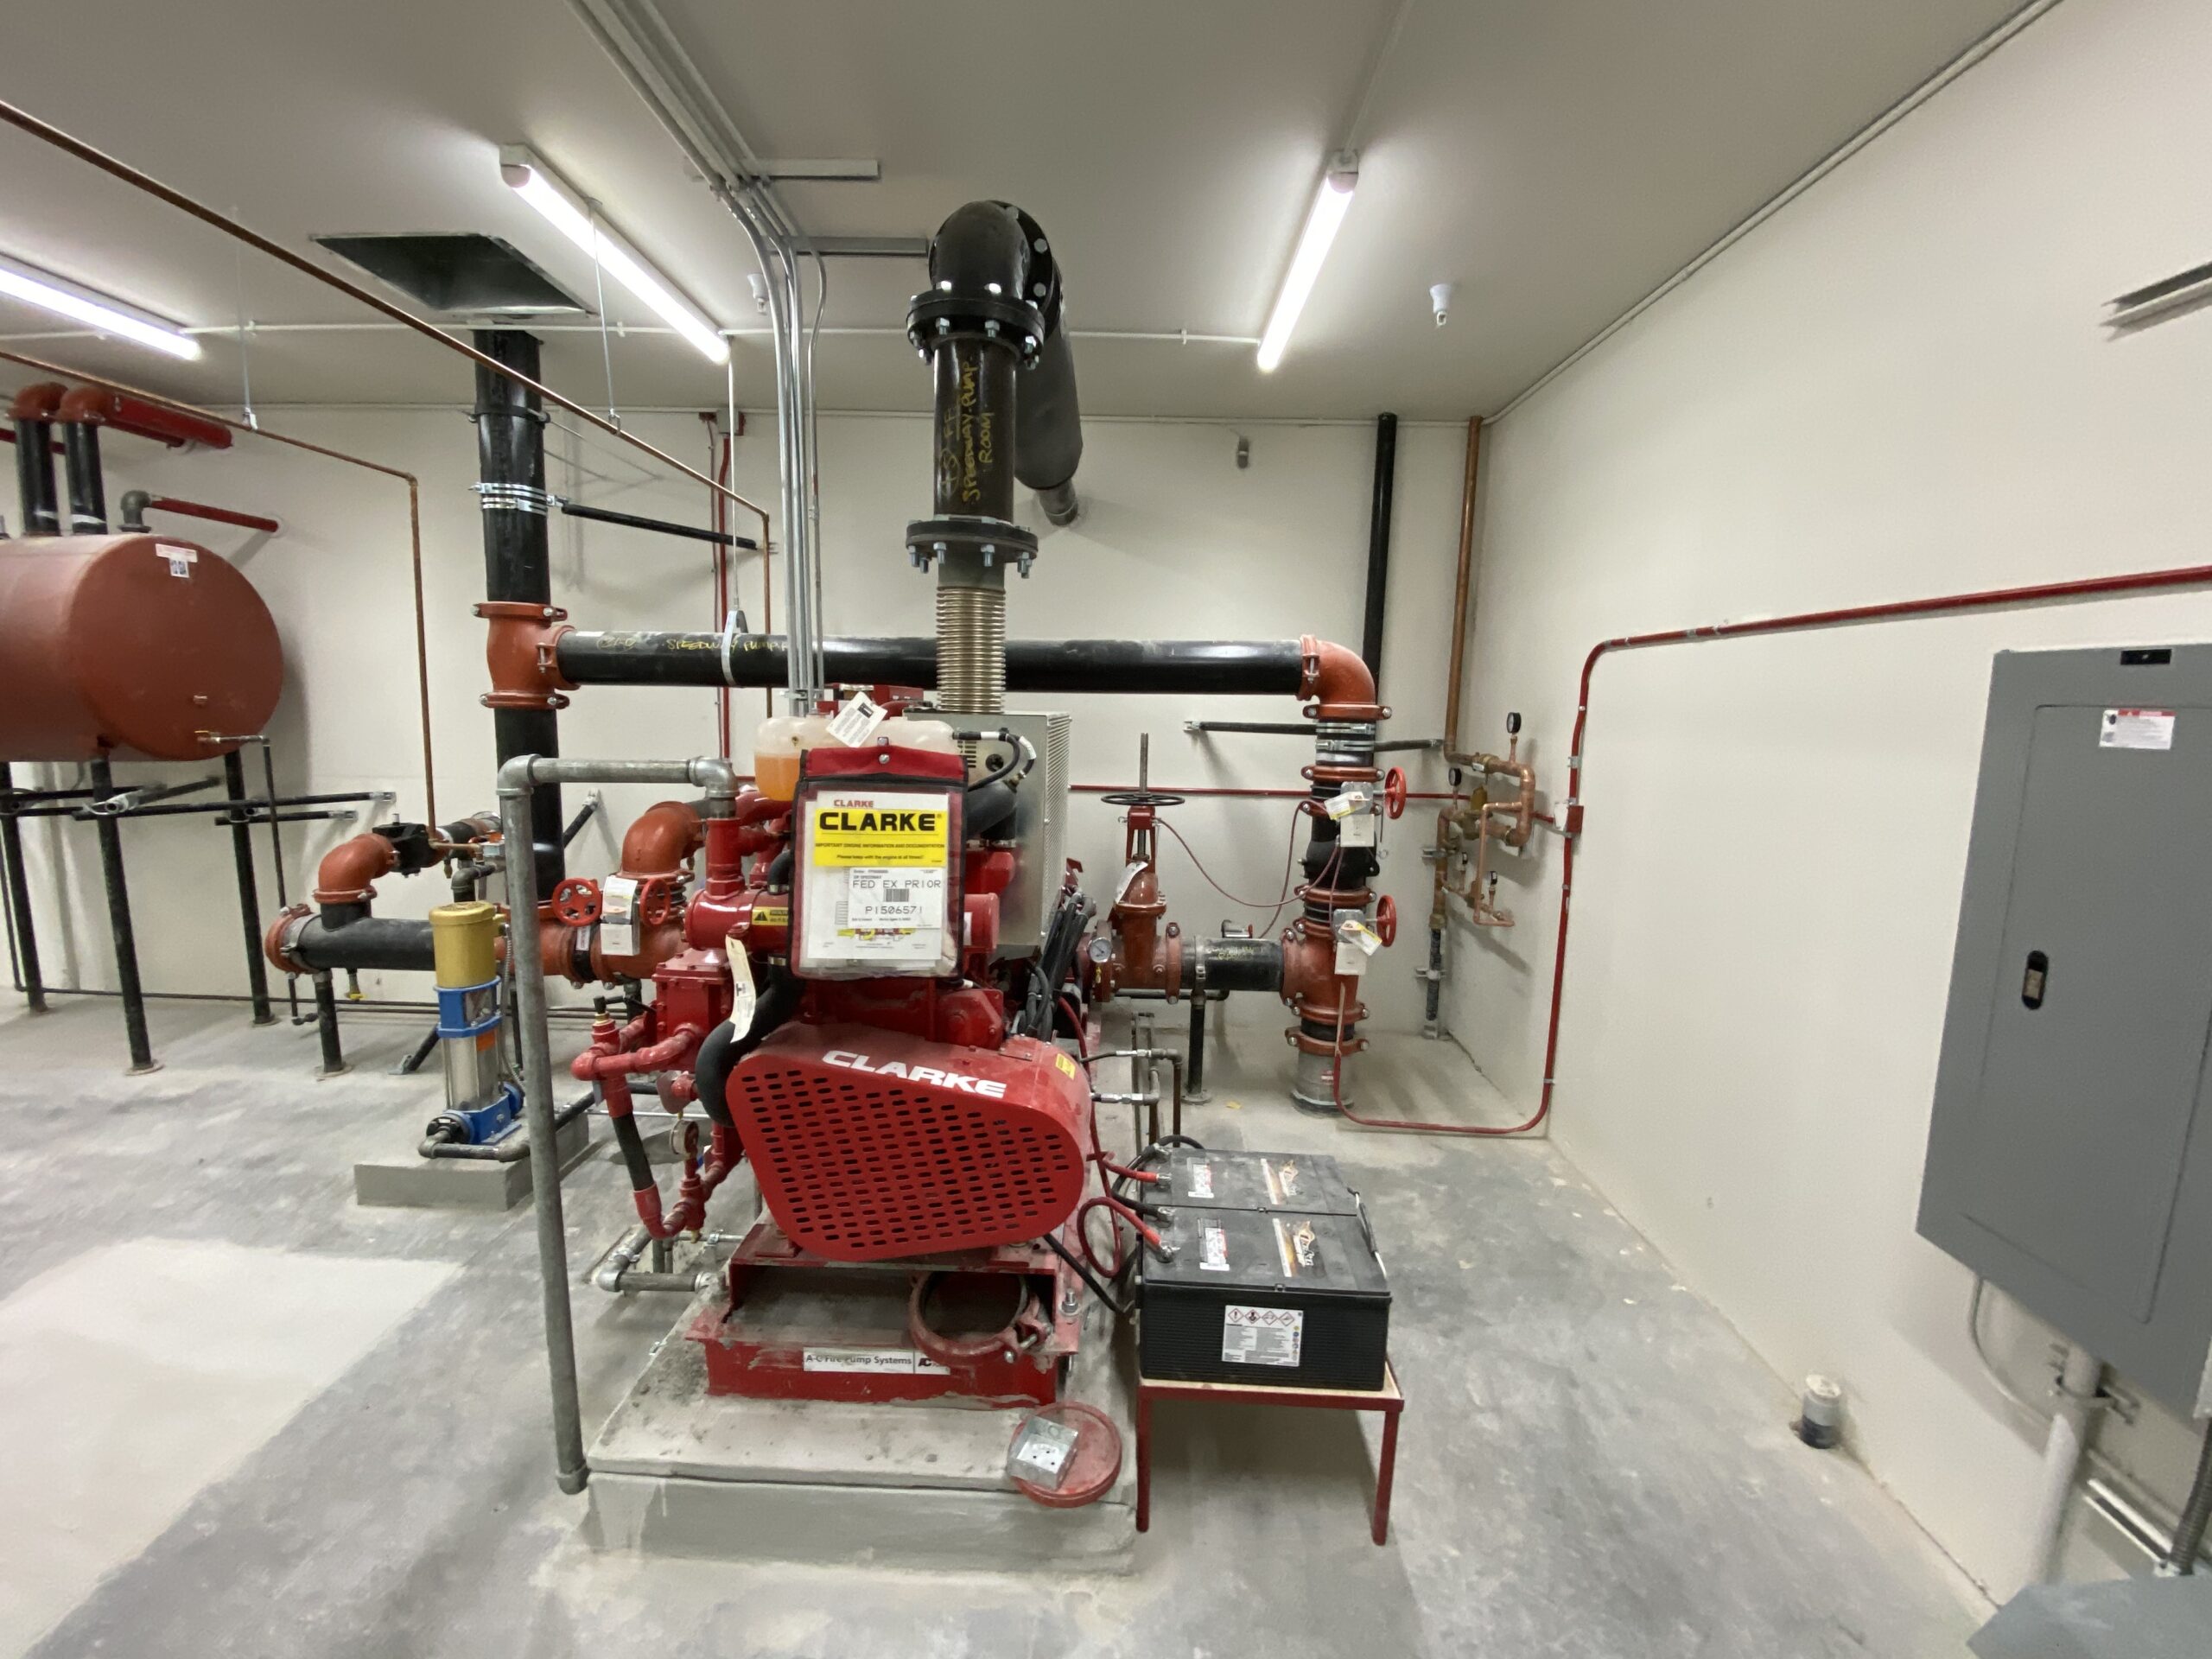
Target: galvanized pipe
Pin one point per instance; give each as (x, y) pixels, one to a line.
(518, 781)
(517, 786)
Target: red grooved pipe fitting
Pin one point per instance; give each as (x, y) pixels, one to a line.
(38, 401)
(519, 652)
(348, 872)
(97, 406)
(660, 840)
(1337, 679)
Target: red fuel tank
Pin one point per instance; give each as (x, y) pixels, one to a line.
(870, 1144)
(134, 645)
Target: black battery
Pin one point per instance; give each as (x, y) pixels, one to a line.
(1302, 1183)
(1279, 1300)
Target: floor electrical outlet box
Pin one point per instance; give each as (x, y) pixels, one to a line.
(1286, 1298)
(2070, 1156)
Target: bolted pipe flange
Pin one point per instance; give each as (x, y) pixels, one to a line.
(989, 542)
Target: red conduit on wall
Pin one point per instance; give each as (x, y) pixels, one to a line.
(2193, 575)
(217, 515)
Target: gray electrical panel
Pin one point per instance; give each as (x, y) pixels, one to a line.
(2070, 1157)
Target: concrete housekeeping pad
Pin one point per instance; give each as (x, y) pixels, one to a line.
(408, 1180)
(677, 1471)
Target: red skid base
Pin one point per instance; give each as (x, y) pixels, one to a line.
(795, 1325)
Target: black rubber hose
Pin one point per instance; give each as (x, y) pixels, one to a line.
(634, 1153)
(724, 1048)
(989, 805)
(2196, 1514)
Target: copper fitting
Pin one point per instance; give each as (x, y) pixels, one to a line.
(1510, 821)
(661, 839)
(520, 654)
(348, 872)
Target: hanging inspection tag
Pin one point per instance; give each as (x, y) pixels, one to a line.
(618, 916)
(743, 995)
(1356, 943)
(1357, 830)
(1347, 802)
(856, 722)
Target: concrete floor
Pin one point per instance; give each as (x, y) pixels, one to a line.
(289, 1425)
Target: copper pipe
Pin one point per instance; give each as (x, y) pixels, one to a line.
(24, 121)
(1460, 586)
(1519, 813)
(414, 528)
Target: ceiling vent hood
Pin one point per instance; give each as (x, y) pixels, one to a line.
(458, 272)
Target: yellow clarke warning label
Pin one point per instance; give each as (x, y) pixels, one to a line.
(879, 833)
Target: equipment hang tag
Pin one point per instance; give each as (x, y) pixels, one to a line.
(856, 722)
(618, 916)
(1356, 943)
(1357, 830)
(743, 995)
(1344, 803)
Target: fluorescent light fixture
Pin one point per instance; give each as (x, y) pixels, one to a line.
(50, 293)
(1330, 202)
(545, 190)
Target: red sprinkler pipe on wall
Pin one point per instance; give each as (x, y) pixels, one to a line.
(2192, 575)
(215, 515)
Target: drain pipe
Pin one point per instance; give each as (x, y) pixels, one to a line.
(2080, 1399)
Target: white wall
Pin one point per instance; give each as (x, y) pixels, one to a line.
(1896, 387)
(1176, 542)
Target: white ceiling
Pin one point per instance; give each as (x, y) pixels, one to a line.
(1556, 159)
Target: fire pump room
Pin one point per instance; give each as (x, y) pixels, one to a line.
(1236, 828)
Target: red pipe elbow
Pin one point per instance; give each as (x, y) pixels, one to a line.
(1338, 680)
(38, 401)
(661, 839)
(348, 872)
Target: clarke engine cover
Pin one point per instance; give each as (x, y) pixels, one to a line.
(871, 1144)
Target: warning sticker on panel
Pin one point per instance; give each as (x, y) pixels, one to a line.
(1261, 1336)
(2137, 728)
(1213, 1250)
(1201, 1180)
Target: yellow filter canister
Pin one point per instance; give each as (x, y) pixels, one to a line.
(464, 943)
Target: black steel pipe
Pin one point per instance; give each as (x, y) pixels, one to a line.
(257, 966)
(41, 514)
(1048, 426)
(118, 921)
(401, 944)
(658, 526)
(325, 1026)
(1180, 667)
(80, 456)
(518, 557)
(21, 926)
(974, 473)
(1194, 1063)
(1378, 541)
(1232, 964)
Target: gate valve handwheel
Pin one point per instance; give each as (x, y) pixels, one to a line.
(1141, 798)
(656, 897)
(575, 901)
(1394, 793)
(1386, 919)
